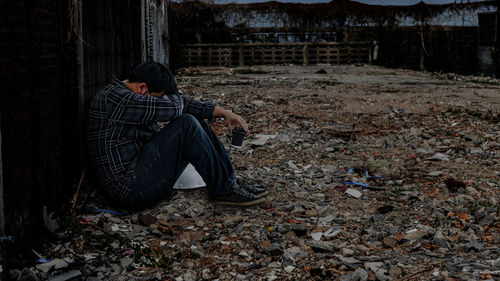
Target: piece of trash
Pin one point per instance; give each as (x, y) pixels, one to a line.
(439, 157)
(111, 212)
(331, 232)
(189, 179)
(90, 256)
(55, 263)
(299, 229)
(361, 171)
(321, 71)
(371, 177)
(43, 260)
(353, 192)
(128, 253)
(317, 235)
(261, 139)
(49, 220)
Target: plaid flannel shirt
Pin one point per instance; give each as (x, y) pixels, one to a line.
(121, 122)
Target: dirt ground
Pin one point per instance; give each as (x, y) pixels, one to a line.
(422, 150)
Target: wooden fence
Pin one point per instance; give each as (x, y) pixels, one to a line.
(275, 53)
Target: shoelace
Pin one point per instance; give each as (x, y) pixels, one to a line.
(243, 192)
(245, 186)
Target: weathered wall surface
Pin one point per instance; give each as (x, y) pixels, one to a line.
(38, 102)
(43, 98)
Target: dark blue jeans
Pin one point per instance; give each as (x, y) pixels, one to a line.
(162, 160)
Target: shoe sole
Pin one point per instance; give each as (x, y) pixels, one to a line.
(243, 204)
(262, 194)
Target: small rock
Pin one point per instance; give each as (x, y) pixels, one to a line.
(66, 275)
(205, 274)
(274, 250)
(390, 241)
(439, 157)
(347, 252)
(358, 275)
(125, 262)
(474, 245)
(115, 269)
(414, 234)
(441, 242)
(195, 210)
(380, 274)
(377, 218)
(496, 264)
(272, 277)
(146, 219)
(287, 260)
(243, 254)
(27, 275)
(196, 252)
(373, 266)
(321, 245)
(348, 260)
(197, 235)
(486, 220)
(353, 192)
(395, 271)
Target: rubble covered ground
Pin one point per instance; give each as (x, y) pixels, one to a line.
(373, 174)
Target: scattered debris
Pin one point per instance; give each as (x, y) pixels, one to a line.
(305, 134)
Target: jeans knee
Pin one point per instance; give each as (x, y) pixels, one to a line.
(190, 121)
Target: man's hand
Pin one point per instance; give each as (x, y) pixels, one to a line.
(232, 119)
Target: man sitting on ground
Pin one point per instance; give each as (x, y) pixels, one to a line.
(137, 163)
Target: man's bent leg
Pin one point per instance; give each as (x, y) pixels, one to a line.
(219, 147)
(166, 155)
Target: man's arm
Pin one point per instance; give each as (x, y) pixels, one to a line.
(127, 107)
(207, 110)
(232, 119)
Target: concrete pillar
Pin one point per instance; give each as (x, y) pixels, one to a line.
(496, 53)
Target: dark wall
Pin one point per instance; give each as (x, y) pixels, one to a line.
(112, 36)
(38, 112)
(448, 49)
(42, 121)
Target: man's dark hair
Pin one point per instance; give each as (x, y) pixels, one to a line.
(157, 76)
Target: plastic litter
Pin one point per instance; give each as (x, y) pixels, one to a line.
(299, 229)
(97, 210)
(189, 179)
(367, 175)
(327, 234)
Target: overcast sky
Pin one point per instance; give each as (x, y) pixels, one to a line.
(377, 2)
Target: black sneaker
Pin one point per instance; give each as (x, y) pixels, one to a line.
(259, 191)
(239, 197)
